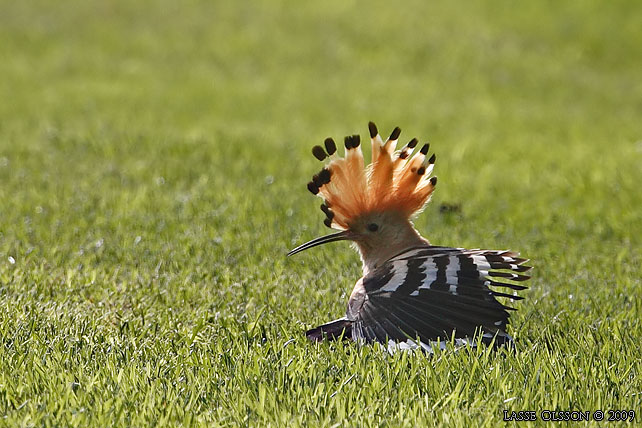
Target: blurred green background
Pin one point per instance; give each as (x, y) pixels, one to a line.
(153, 162)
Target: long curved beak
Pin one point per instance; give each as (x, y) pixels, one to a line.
(339, 236)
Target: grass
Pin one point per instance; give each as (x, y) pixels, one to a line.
(153, 161)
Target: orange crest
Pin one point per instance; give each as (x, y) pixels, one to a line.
(395, 180)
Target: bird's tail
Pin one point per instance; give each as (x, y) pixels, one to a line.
(341, 328)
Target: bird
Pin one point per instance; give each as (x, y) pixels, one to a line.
(412, 295)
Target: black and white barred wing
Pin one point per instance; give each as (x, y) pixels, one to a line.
(436, 294)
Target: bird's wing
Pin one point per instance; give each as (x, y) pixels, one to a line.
(432, 294)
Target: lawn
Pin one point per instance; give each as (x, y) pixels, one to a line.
(153, 166)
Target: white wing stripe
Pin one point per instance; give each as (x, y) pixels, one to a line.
(400, 269)
(481, 263)
(452, 270)
(430, 270)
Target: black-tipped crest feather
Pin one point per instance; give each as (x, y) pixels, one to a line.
(319, 153)
(330, 146)
(373, 129)
(425, 295)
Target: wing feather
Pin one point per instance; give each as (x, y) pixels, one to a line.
(434, 293)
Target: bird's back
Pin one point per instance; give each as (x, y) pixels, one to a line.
(431, 294)
(412, 294)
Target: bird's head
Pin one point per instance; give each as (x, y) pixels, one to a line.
(373, 205)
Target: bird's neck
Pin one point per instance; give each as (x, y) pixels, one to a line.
(373, 256)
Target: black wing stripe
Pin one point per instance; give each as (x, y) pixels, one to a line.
(507, 285)
(471, 266)
(395, 328)
(407, 321)
(373, 329)
(450, 320)
(357, 331)
(491, 309)
(441, 306)
(511, 266)
(481, 298)
(443, 324)
(431, 293)
(435, 251)
(382, 281)
(398, 318)
(502, 256)
(424, 325)
(365, 331)
(441, 281)
(394, 332)
(466, 313)
(468, 270)
(426, 252)
(368, 334)
(415, 276)
(509, 275)
(510, 296)
(478, 283)
(475, 287)
(471, 295)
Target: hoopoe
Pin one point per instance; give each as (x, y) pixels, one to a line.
(412, 294)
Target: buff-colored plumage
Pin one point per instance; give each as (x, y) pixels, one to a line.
(412, 294)
(395, 180)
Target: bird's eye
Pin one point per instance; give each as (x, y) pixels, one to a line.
(373, 227)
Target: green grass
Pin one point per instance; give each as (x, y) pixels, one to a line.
(153, 162)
